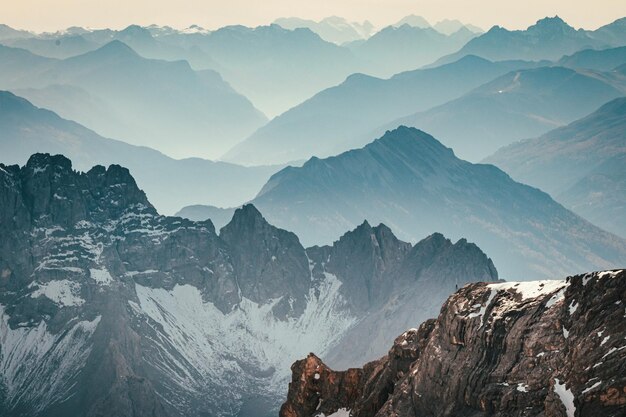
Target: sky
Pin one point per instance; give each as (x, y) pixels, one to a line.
(52, 15)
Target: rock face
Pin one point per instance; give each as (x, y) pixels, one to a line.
(108, 308)
(542, 348)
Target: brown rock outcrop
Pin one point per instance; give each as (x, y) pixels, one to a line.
(544, 348)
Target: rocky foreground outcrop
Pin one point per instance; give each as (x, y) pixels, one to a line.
(543, 348)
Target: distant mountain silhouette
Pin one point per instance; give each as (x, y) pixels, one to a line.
(448, 26)
(343, 117)
(275, 68)
(8, 33)
(169, 183)
(549, 38)
(332, 29)
(62, 46)
(519, 105)
(165, 105)
(583, 165)
(411, 182)
(601, 60)
(396, 49)
(445, 26)
(613, 34)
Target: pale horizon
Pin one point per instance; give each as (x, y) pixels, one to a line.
(213, 14)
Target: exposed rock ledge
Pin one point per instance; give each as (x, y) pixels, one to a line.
(543, 348)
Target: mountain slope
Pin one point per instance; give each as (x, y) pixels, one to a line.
(337, 119)
(545, 348)
(549, 38)
(414, 184)
(149, 102)
(403, 48)
(267, 64)
(602, 60)
(612, 34)
(274, 67)
(332, 29)
(169, 183)
(61, 47)
(109, 308)
(580, 164)
(519, 105)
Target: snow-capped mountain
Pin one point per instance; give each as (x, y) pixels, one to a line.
(108, 308)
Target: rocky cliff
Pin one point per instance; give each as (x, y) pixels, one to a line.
(542, 348)
(109, 309)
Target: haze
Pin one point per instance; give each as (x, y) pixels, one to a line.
(52, 15)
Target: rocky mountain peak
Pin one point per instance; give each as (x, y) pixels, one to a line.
(378, 251)
(270, 263)
(246, 218)
(408, 142)
(551, 25)
(54, 194)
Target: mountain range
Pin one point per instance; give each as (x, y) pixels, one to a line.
(403, 48)
(268, 63)
(108, 308)
(169, 183)
(147, 102)
(343, 117)
(415, 185)
(582, 165)
(519, 105)
(333, 29)
(600, 60)
(550, 38)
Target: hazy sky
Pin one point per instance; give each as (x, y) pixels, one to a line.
(50, 15)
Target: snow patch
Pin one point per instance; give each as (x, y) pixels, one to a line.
(38, 367)
(101, 276)
(609, 274)
(530, 289)
(521, 387)
(596, 385)
(560, 295)
(342, 412)
(566, 397)
(483, 309)
(527, 290)
(64, 293)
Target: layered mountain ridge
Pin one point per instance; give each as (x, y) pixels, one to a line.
(119, 93)
(581, 164)
(108, 307)
(411, 182)
(169, 183)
